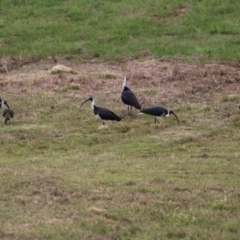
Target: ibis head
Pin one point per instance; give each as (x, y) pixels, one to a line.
(2, 102)
(172, 112)
(89, 99)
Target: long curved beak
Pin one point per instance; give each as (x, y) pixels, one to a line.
(86, 101)
(176, 117)
(6, 104)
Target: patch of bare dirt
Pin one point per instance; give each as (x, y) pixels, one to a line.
(155, 82)
(178, 14)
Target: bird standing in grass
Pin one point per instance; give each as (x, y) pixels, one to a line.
(129, 98)
(158, 112)
(102, 113)
(7, 113)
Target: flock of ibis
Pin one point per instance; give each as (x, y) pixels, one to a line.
(128, 98)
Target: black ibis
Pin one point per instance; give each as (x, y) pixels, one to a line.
(158, 112)
(102, 113)
(7, 113)
(129, 98)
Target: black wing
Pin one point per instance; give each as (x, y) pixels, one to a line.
(155, 111)
(129, 98)
(106, 114)
(8, 111)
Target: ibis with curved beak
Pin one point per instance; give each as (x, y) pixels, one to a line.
(158, 112)
(7, 113)
(129, 98)
(102, 113)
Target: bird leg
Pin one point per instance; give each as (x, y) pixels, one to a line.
(6, 120)
(156, 120)
(129, 110)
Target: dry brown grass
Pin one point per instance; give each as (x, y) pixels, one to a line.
(165, 83)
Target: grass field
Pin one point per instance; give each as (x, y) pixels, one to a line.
(64, 175)
(206, 30)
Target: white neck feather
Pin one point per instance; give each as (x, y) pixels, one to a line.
(124, 82)
(92, 104)
(168, 114)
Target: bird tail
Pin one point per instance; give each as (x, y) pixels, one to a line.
(143, 111)
(146, 111)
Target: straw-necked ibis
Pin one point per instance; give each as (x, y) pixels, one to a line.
(7, 113)
(102, 113)
(158, 112)
(129, 98)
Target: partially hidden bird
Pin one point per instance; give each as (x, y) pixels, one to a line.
(102, 113)
(129, 98)
(7, 113)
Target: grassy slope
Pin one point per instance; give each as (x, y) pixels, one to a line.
(111, 29)
(62, 177)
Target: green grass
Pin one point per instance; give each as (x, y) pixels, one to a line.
(63, 177)
(186, 29)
